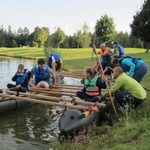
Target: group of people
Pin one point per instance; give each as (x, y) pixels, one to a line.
(126, 70)
(42, 75)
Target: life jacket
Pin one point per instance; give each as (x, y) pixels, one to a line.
(91, 88)
(42, 74)
(126, 68)
(105, 55)
(21, 78)
(121, 51)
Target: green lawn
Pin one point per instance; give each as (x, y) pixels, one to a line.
(74, 59)
(131, 131)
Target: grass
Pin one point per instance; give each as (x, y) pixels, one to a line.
(74, 59)
(131, 131)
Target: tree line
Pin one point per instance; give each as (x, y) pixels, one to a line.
(105, 31)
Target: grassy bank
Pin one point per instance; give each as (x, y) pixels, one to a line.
(131, 131)
(74, 59)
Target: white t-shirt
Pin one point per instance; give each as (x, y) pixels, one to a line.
(54, 60)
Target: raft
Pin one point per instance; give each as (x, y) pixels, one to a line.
(7, 106)
(73, 120)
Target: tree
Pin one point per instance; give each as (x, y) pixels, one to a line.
(79, 38)
(14, 43)
(105, 29)
(141, 24)
(135, 42)
(2, 36)
(42, 37)
(39, 36)
(58, 37)
(123, 38)
(86, 36)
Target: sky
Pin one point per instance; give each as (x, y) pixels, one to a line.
(70, 15)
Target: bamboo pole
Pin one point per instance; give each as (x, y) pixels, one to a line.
(52, 92)
(67, 88)
(69, 85)
(49, 98)
(114, 108)
(73, 76)
(57, 90)
(44, 102)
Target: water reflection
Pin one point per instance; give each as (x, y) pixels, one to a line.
(33, 127)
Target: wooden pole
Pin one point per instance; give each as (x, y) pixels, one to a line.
(65, 87)
(114, 108)
(44, 102)
(72, 76)
(57, 90)
(69, 85)
(49, 98)
(52, 92)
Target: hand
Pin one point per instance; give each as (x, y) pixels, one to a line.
(18, 86)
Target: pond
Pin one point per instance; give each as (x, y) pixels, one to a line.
(33, 127)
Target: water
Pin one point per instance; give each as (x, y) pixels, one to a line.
(34, 127)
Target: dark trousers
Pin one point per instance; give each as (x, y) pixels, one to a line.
(104, 65)
(125, 98)
(84, 96)
(13, 87)
(140, 72)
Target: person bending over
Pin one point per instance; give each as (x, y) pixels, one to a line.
(55, 62)
(126, 90)
(92, 86)
(135, 67)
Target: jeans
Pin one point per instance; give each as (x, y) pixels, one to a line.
(84, 96)
(124, 98)
(140, 72)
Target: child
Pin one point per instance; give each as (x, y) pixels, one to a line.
(92, 86)
(21, 78)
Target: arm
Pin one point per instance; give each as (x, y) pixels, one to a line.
(53, 64)
(130, 64)
(117, 52)
(14, 77)
(52, 74)
(118, 84)
(32, 73)
(100, 83)
(61, 65)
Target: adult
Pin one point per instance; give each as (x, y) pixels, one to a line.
(55, 62)
(118, 50)
(92, 86)
(42, 75)
(105, 58)
(135, 67)
(21, 78)
(126, 90)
